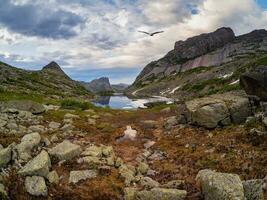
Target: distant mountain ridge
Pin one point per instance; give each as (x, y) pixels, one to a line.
(51, 80)
(100, 85)
(201, 65)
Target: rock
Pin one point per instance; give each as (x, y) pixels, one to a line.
(12, 126)
(67, 128)
(94, 151)
(166, 110)
(76, 176)
(25, 105)
(1, 147)
(157, 155)
(255, 82)
(54, 138)
(37, 128)
(149, 183)
(107, 151)
(254, 189)
(170, 122)
(2, 123)
(110, 161)
(38, 166)
(161, 194)
(28, 142)
(149, 124)
(36, 186)
(54, 125)
(220, 186)
(91, 121)
(129, 193)
(118, 162)
(127, 174)
(65, 150)
(257, 137)
(92, 162)
(264, 121)
(5, 156)
(149, 144)
(175, 184)
(3, 193)
(71, 116)
(240, 109)
(53, 177)
(143, 168)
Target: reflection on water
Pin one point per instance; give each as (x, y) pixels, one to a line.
(123, 102)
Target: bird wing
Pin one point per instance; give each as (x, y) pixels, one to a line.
(157, 32)
(144, 32)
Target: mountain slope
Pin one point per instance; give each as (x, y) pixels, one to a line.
(51, 80)
(121, 87)
(101, 85)
(205, 64)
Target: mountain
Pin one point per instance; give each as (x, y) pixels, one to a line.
(121, 87)
(101, 85)
(51, 80)
(205, 64)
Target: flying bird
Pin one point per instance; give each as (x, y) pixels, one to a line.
(151, 34)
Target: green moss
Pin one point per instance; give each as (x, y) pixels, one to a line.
(76, 105)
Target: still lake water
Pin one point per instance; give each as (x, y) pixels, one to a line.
(123, 102)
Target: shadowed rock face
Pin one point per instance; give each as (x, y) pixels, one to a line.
(255, 82)
(99, 85)
(53, 67)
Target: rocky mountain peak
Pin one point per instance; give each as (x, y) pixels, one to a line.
(98, 85)
(53, 67)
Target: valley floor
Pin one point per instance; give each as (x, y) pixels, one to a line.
(176, 153)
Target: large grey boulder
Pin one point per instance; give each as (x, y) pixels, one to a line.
(220, 186)
(65, 150)
(255, 82)
(5, 156)
(161, 194)
(24, 105)
(76, 176)
(38, 166)
(254, 189)
(36, 186)
(218, 110)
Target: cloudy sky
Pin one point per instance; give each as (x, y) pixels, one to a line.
(93, 38)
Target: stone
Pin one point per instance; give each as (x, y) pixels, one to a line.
(71, 116)
(93, 150)
(170, 122)
(161, 194)
(118, 162)
(143, 168)
(2, 123)
(3, 192)
(36, 186)
(91, 121)
(12, 126)
(5, 156)
(255, 82)
(25, 105)
(127, 174)
(107, 151)
(254, 189)
(77, 176)
(54, 138)
(129, 193)
(149, 144)
(54, 125)
(110, 161)
(149, 183)
(257, 137)
(38, 166)
(28, 142)
(92, 162)
(174, 184)
(53, 177)
(65, 150)
(220, 186)
(37, 128)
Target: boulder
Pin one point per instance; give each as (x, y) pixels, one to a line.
(71, 116)
(107, 151)
(255, 82)
(36, 186)
(76, 176)
(93, 150)
(220, 186)
(148, 182)
(54, 125)
(5, 156)
(161, 194)
(39, 166)
(129, 193)
(65, 150)
(127, 173)
(254, 189)
(170, 122)
(2, 123)
(174, 184)
(24, 105)
(142, 168)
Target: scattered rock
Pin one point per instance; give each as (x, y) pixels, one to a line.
(161, 194)
(71, 116)
(37, 128)
(149, 144)
(220, 186)
(129, 193)
(127, 174)
(149, 124)
(143, 168)
(39, 166)
(53, 177)
(257, 137)
(25, 105)
(91, 121)
(65, 150)
(254, 189)
(175, 184)
(94, 151)
(170, 122)
(76, 176)
(149, 183)
(2, 123)
(36, 186)
(5, 156)
(54, 138)
(107, 151)
(54, 125)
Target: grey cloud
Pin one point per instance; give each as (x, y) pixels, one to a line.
(34, 20)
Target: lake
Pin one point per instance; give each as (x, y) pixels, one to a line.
(124, 102)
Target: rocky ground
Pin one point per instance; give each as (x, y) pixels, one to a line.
(212, 151)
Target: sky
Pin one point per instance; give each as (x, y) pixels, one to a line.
(94, 38)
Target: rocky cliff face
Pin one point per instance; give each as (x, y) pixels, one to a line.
(51, 80)
(100, 85)
(216, 57)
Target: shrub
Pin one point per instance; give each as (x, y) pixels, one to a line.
(75, 105)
